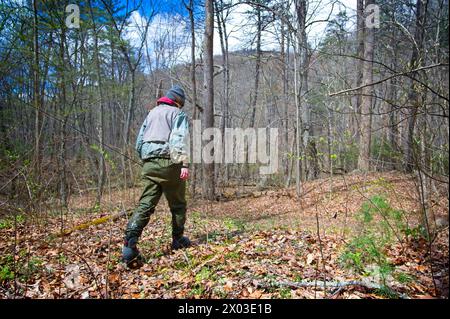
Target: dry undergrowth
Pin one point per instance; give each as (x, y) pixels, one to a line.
(244, 247)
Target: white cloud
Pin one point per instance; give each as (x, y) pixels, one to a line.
(241, 31)
(168, 39)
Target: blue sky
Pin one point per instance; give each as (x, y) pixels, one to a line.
(238, 27)
(175, 7)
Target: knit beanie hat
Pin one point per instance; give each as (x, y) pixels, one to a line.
(176, 93)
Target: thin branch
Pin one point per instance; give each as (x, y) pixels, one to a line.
(390, 77)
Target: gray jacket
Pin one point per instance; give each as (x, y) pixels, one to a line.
(164, 133)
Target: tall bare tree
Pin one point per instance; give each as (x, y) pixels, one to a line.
(360, 63)
(221, 14)
(414, 95)
(367, 94)
(190, 7)
(208, 188)
(36, 96)
(100, 124)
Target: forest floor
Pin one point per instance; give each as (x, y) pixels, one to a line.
(250, 244)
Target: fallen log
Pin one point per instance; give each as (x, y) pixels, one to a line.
(81, 226)
(93, 222)
(339, 285)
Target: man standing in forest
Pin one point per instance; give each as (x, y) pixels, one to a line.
(163, 146)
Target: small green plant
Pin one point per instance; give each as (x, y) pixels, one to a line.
(63, 259)
(24, 268)
(378, 217)
(5, 224)
(97, 208)
(6, 268)
(9, 222)
(403, 278)
(35, 264)
(158, 253)
(197, 290)
(232, 255)
(260, 249)
(234, 224)
(212, 236)
(285, 293)
(180, 265)
(219, 292)
(416, 232)
(195, 216)
(20, 219)
(26, 271)
(203, 274)
(6, 274)
(386, 292)
(380, 225)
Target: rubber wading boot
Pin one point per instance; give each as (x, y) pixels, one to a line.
(181, 242)
(130, 254)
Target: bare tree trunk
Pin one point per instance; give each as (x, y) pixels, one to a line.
(284, 66)
(299, 126)
(36, 98)
(63, 116)
(100, 125)
(393, 126)
(221, 23)
(359, 74)
(393, 133)
(208, 113)
(414, 96)
(194, 87)
(159, 91)
(254, 96)
(301, 81)
(366, 99)
(127, 125)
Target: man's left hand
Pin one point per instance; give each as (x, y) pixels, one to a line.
(184, 173)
